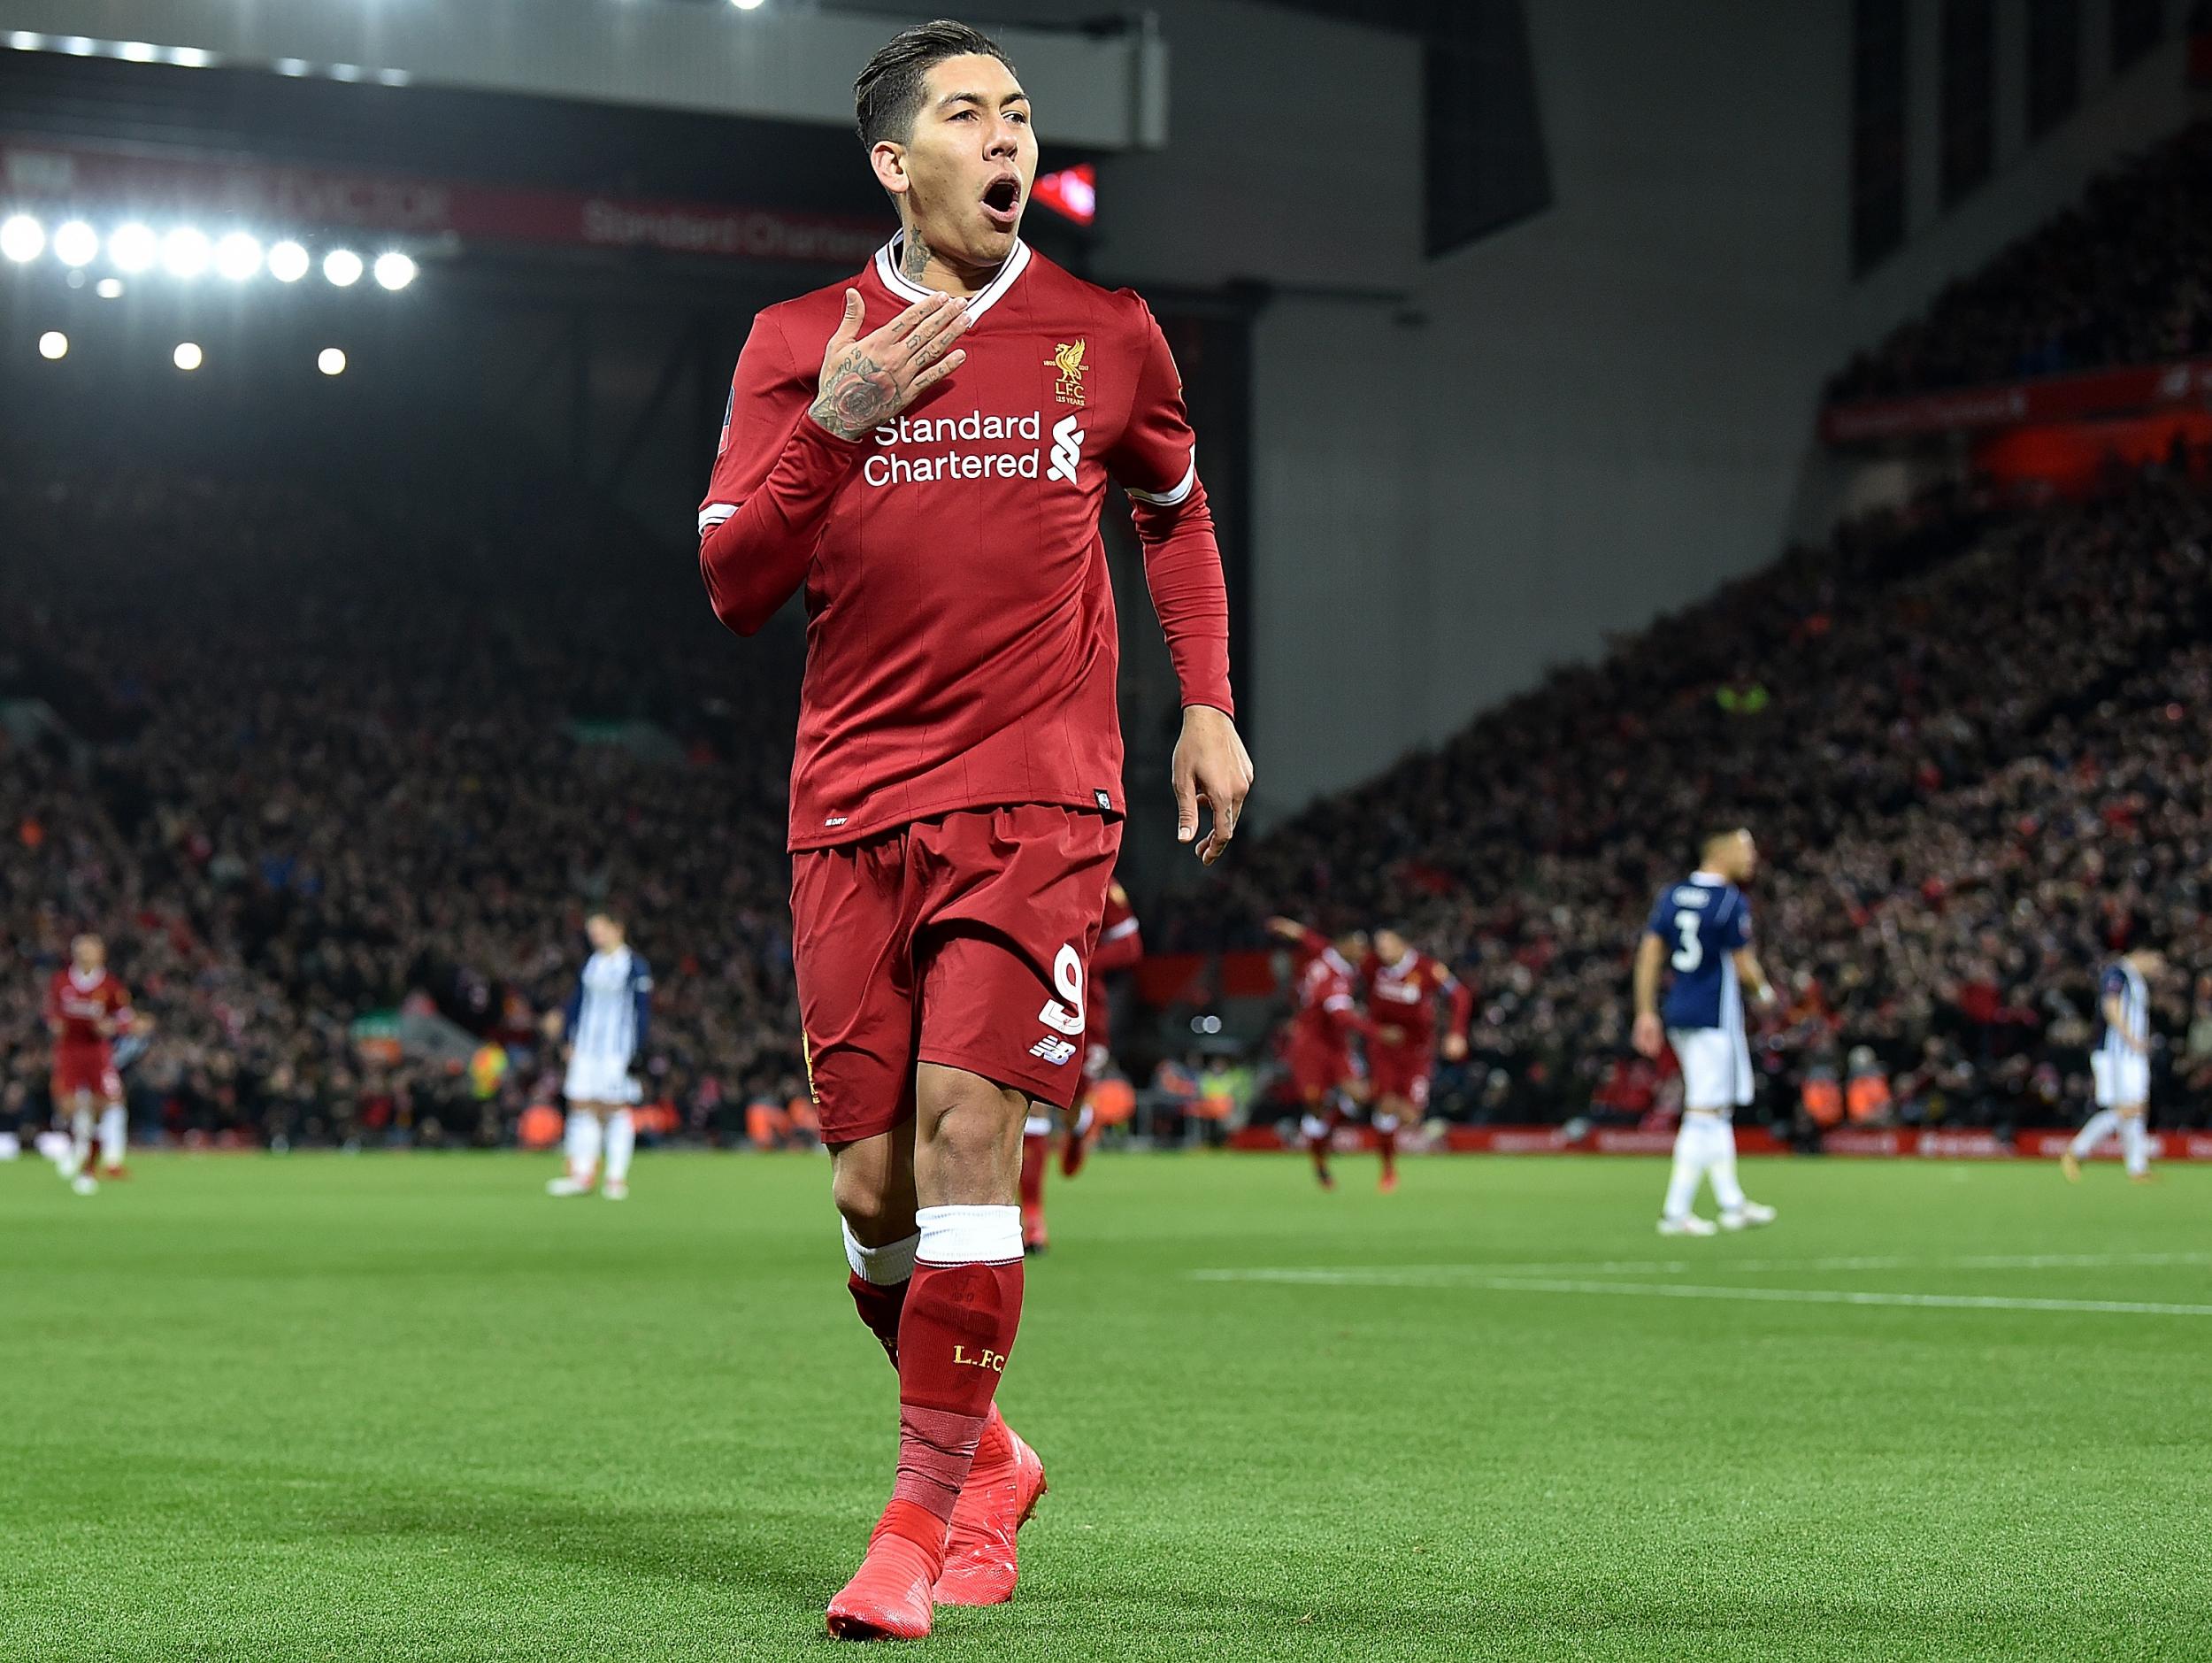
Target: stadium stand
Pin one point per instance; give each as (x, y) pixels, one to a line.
(390, 788)
(2124, 278)
(1971, 739)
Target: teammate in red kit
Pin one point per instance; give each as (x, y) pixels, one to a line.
(1119, 947)
(1402, 986)
(1324, 1068)
(86, 1009)
(925, 451)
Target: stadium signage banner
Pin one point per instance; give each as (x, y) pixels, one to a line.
(37, 173)
(1891, 1144)
(2138, 387)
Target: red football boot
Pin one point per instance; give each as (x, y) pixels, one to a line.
(888, 1596)
(1002, 1490)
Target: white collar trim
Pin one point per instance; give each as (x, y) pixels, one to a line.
(83, 983)
(979, 303)
(1707, 878)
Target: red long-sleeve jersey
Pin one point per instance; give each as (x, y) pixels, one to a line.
(961, 641)
(1327, 1013)
(1402, 1001)
(86, 1013)
(1120, 947)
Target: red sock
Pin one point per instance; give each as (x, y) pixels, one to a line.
(1389, 1151)
(879, 1306)
(955, 1334)
(1034, 1151)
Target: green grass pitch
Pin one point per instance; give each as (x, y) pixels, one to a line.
(391, 1408)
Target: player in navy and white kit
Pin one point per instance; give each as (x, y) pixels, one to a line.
(2122, 1066)
(1702, 929)
(605, 1027)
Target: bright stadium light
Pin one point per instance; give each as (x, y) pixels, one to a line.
(395, 270)
(76, 244)
(132, 248)
(190, 57)
(288, 262)
(342, 268)
(184, 252)
(187, 355)
(138, 51)
(109, 288)
(331, 361)
(26, 40)
(53, 344)
(22, 238)
(291, 66)
(746, 5)
(237, 257)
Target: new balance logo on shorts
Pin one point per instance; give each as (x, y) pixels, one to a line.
(1055, 1051)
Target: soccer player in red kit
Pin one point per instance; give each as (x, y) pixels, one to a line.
(1119, 947)
(86, 1008)
(924, 450)
(1324, 1070)
(1402, 986)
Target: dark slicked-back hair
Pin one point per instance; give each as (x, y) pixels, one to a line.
(889, 93)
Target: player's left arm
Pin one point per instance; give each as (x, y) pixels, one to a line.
(1460, 1000)
(1120, 947)
(1156, 460)
(642, 992)
(1752, 975)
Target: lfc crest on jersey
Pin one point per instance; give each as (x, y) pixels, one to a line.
(1067, 358)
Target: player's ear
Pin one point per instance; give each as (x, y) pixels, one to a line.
(887, 157)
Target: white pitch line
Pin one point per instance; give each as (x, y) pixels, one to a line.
(1690, 1290)
(1661, 1266)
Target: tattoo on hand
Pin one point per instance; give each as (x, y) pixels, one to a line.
(913, 259)
(857, 394)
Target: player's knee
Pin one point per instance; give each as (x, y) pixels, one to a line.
(875, 1215)
(966, 1120)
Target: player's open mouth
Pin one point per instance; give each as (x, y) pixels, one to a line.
(1003, 201)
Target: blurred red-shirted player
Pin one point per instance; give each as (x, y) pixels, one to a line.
(925, 451)
(1119, 947)
(87, 1009)
(1324, 1069)
(1402, 985)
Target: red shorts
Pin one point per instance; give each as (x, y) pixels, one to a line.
(85, 1068)
(964, 941)
(1400, 1072)
(1318, 1069)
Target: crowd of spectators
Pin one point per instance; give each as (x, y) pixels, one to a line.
(305, 762)
(2125, 277)
(1972, 741)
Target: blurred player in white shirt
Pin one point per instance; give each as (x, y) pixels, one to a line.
(2122, 1066)
(605, 1027)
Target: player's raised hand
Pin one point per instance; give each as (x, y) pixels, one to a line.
(1650, 1037)
(868, 380)
(1212, 770)
(1454, 1048)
